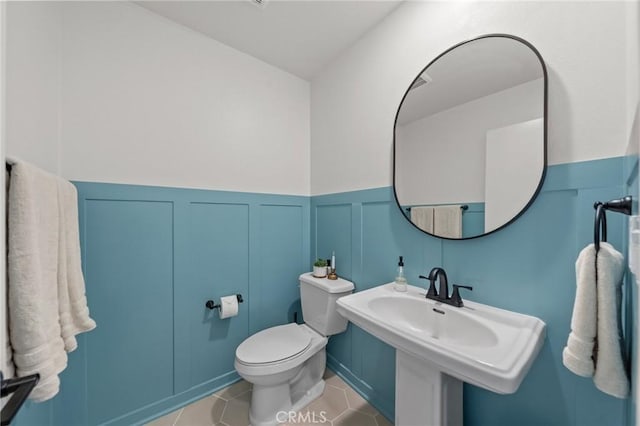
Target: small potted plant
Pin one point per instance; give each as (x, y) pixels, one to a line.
(320, 268)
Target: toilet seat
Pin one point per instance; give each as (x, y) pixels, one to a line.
(273, 345)
(292, 361)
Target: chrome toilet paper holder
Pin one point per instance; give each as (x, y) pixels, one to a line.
(212, 305)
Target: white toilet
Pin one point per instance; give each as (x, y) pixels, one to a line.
(286, 363)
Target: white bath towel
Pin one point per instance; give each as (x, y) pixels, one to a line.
(422, 217)
(447, 221)
(32, 268)
(73, 309)
(611, 375)
(577, 356)
(7, 366)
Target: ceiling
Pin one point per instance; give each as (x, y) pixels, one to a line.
(300, 36)
(471, 71)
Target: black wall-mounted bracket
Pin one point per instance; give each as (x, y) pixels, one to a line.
(20, 387)
(621, 205)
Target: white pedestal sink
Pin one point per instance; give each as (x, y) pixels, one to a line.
(438, 347)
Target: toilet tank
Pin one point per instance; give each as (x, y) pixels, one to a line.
(318, 296)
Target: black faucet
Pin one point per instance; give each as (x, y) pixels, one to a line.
(442, 295)
(443, 290)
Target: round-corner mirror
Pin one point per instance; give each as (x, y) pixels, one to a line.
(470, 138)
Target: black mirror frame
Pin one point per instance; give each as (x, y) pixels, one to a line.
(545, 133)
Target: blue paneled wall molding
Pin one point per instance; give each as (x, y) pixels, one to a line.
(153, 256)
(631, 176)
(527, 267)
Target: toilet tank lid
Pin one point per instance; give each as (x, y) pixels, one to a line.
(330, 286)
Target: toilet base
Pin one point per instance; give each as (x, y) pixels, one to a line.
(313, 393)
(262, 401)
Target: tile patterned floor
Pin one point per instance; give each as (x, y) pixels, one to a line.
(338, 406)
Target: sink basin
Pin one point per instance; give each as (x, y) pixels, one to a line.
(450, 326)
(479, 344)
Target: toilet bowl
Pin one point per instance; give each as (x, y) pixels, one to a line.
(286, 363)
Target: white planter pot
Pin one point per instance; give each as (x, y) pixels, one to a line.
(319, 271)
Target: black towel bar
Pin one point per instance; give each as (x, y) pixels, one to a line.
(463, 207)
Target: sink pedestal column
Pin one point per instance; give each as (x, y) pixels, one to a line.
(425, 395)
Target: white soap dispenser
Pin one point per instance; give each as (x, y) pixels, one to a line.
(401, 281)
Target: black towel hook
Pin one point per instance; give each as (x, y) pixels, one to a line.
(620, 205)
(600, 225)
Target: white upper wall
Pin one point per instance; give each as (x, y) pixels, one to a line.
(142, 100)
(354, 101)
(32, 65)
(633, 148)
(107, 91)
(633, 77)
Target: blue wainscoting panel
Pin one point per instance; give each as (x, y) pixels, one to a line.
(527, 267)
(70, 405)
(217, 253)
(128, 258)
(333, 223)
(632, 183)
(33, 413)
(281, 254)
(152, 256)
(473, 220)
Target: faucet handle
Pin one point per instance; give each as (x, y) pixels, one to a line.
(431, 293)
(456, 300)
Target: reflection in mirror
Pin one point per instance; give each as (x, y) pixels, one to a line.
(470, 138)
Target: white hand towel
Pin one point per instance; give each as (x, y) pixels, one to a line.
(610, 376)
(422, 217)
(73, 309)
(447, 221)
(32, 265)
(577, 356)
